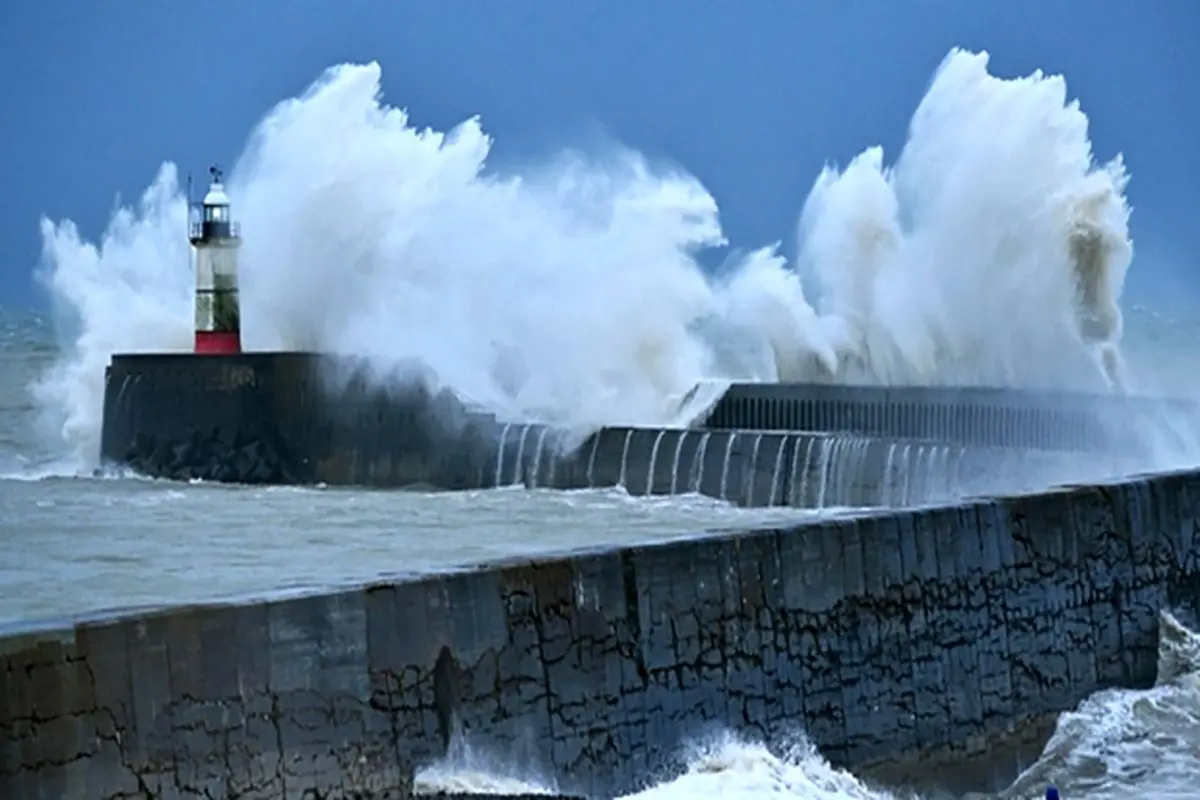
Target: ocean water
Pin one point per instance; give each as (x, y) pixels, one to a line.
(992, 249)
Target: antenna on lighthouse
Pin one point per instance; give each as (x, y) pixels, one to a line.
(214, 236)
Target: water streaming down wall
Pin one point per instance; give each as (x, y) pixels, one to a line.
(298, 418)
(774, 468)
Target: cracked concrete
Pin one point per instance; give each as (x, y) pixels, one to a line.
(880, 635)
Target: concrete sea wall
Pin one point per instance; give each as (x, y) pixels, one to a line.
(273, 418)
(880, 635)
(970, 416)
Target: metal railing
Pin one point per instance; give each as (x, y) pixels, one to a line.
(196, 230)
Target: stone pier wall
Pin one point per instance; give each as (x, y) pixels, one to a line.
(969, 416)
(299, 418)
(879, 635)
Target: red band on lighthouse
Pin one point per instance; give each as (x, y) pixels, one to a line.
(218, 343)
(214, 235)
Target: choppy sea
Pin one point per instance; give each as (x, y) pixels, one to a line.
(73, 542)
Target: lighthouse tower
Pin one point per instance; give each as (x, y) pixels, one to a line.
(214, 236)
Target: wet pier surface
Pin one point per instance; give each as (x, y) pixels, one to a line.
(120, 543)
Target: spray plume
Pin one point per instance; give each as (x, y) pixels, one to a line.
(993, 251)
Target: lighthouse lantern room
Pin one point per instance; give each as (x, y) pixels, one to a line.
(214, 237)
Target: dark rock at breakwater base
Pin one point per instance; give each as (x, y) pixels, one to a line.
(299, 418)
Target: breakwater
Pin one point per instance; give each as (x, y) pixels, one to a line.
(970, 416)
(880, 635)
(303, 419)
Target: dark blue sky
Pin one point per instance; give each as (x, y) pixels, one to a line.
(752, 96)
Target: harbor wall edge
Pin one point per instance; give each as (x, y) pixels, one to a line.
(880, 635)
(270, 418)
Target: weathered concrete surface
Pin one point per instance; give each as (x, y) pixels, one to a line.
(879, 635)
(284, 418)
(271, 418)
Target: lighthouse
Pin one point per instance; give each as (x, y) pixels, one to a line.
(214, 237)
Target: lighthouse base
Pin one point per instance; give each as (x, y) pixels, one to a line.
(218, 343)
(286, 418)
